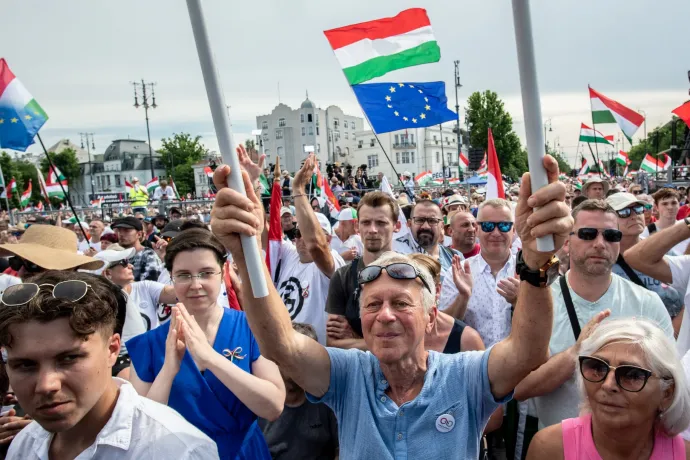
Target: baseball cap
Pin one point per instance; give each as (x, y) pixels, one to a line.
(407, 174)
(622, 200)
(135, 179)
(347, 214)
(172, 229)
(127, 222)
(285, 210)
(324, 222)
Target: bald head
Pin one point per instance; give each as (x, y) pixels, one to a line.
(463, 227)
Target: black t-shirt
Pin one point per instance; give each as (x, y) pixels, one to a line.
(343, 295)
(308, 432)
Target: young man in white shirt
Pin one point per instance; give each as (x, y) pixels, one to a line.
(61, 341)
(667, 203)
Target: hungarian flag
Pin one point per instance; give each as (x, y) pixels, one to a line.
(55, 178)
(494, 183)
(584, 169)
(374, 48)
(652, 165)
(590, 135)
(128, 187)
(208, 171)
(423, 177)
(275, 229)
(172, 184)
(152, 185)
(12, 187)
(630, 174)
(605, 110)
(483, 167)
(263, 183)
(97, 202)
(683, 112)
(464, 162)
(26, 196)
(622, 158)
(39, 206)
(625, 172)
(602, 168)
(41, 183)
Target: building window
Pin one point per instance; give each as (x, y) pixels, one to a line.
(411, 157)
(344, 123)
(117, 180)
(336, 123)
(304, 131)
(317, 130)
(435, 140)
(371, 144)
(405, 158)
(359, 144)
(280, 152)
(318, 148)
(201, 178)
(301, 117)
(397, 158)
(281, 122)
(265, 137)
(267, 152)
(309, 119)
(438, 157)
(372, 161)
(336, 135)
(264, 125)
(98, 182)
(311, 130)
(317, 119)
(108, 176)
(353, 125)
(279, 133)
(345, 134)
(396, 140)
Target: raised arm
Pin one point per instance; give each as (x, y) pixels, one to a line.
(312, 234)
(527, 346)
(299, 357)
(647, 256)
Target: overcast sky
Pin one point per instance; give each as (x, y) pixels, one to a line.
(78, 57)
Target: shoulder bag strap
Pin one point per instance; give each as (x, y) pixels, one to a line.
(629, 271)
(570, 307)
(651, 228)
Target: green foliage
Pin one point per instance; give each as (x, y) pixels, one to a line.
(485, 110)
(563, 165)
(66, 161)
(182, 151)
(657, 140)
(250, 145)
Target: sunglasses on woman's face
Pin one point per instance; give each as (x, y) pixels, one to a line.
(20, 294)
(628, 377)
(398, 271)
(120, 263)
(611, 235)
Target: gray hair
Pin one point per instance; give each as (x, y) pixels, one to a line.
(496, 203)
(661, 358)
(390, 257)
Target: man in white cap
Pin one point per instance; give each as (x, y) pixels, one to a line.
(408, 183)
(287, 221)
(305, 268)
(595, 188)
(346, 240)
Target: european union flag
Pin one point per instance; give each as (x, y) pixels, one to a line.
(394, 106)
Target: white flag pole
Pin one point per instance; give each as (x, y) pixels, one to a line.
(221, 123)
(531, 104)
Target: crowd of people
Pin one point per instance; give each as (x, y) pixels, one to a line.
(418, 324)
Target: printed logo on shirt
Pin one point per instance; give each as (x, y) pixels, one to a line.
(163, 312)
(293, 296)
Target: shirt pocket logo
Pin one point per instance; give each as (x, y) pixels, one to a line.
(445, 423)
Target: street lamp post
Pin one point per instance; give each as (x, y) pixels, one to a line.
(143, 87)
(547, 123)
(457, 110)
(88, 150)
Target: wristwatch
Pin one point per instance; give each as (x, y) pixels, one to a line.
(542, 277)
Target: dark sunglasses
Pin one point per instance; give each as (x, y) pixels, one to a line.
(122, 263)
(398, 271)
(503, 227)
(626, 212)
(20, 294)
(16, 263)
(629, 378)
(636, 192)
(611, 235)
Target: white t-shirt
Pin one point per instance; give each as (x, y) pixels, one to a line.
(677, 250)
(680, 274)
(304, 288)
(160, 193)
(625, 299)
(145, 295)
(354, 241)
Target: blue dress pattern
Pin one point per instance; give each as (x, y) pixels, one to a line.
(202, 399)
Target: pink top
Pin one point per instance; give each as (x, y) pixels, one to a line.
(578, 443)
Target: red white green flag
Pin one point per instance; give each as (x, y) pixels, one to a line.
(605, 110)
(26, 196)
(622, 158)
(592, 136)
(371, 49)
(652, 165)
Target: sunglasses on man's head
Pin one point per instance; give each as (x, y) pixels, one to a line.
(611, 235)
(503, 227)
(630, 378)
(398, 271)
(626, 212)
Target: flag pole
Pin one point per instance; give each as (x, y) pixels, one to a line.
(594, 128)
(531, 104)
(7, 202)
(226, 144)
(69, 202)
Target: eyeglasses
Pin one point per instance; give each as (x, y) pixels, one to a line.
(629, 378)
(611, 235)
(16, 263)
(636, 192)
(426, 220)
(186, 278)
(20, 294)
(626, 212)
(122, 263)
(503, 227)
(398, 271)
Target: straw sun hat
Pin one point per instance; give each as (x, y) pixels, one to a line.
(50, 247)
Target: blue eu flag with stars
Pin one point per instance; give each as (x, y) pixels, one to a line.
(394, 106)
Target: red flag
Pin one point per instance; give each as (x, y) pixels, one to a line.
(683, 112)
(331, 200)
(494, 183)
(275, 229)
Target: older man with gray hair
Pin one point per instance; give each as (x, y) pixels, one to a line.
(399, 400)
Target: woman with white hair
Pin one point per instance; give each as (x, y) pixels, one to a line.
(636, 399)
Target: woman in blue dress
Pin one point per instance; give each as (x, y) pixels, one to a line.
(205, 363)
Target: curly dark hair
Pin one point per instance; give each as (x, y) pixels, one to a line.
(190, 240)
(101, 309)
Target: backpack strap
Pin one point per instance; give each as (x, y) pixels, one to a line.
(629, 271)
(574, 323)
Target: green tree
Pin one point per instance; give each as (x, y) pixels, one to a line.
(657, 140)
(250, 145)
(485, 110)
(563, 165)
(68, 164)
(179, 153)
(25, 171)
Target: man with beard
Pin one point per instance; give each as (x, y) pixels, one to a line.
(147, 265)
(160, 221)
(463, 227)
(587, 293)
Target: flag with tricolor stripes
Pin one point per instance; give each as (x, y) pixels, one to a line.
(26, 196)
(622, 158)
(128, 187)
(53, 184)
(174, 187)
(494, 183)
(463, 160)
(152, 185)
(584, 169)
(423, 177)
(652, 165)
(11, 187)
(371, 49)
(39, 206)
(590, 135)
(97, 202)
(605, 110)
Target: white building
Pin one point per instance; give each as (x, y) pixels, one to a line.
(288, 133)
(414, 150)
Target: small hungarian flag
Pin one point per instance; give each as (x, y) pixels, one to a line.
(26, 196)
(152, 185)
(39, 206)
(605, 110)
(172, 184)
(423, 177)
(53, 187)
(622, 158)
(602, 168)
(464, 162)
(374, 48)
(652, 165)
(263, 182)
(590, 135)
(494, 183)
(97, 203)
(12, 187)
(585, 166)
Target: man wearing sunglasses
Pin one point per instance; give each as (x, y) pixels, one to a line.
(587, 289)
(62, 337)
(399, 399)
